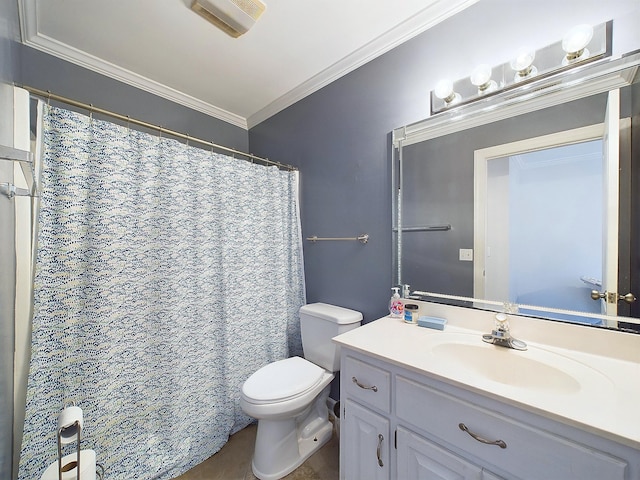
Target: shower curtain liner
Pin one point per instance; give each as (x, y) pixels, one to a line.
(165, 276)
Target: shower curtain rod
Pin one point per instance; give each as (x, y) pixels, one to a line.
(85, 106)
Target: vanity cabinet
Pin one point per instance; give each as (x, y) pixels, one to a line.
(401, 424)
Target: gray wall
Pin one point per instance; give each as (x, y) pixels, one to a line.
(46, 72)
(9, 66)
(338, 136)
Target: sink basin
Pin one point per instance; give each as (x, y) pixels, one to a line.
(534, 369)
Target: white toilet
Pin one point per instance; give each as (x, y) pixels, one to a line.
(289, 397)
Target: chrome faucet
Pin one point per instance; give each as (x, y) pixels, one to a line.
(501, 335)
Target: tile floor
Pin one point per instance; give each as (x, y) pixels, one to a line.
(233, 461)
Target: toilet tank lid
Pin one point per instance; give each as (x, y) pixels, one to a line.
(333, 313)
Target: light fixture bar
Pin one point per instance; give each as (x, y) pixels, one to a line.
(582, 44)
(585, 80)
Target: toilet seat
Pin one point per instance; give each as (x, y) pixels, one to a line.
(282, 380)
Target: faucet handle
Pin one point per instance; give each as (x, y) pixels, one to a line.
(502, 324)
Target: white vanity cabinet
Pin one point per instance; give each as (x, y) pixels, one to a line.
(399, 423)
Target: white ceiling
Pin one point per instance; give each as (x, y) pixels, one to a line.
(163, 47)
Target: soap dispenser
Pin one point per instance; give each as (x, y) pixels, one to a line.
(396, 307)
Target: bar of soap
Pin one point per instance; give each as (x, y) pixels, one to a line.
(432, 322)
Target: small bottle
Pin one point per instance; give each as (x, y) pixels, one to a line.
(411, 313)
(396, 308)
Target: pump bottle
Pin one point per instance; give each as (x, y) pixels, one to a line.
(396, 307)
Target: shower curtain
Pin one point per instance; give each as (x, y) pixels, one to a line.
(165, 276)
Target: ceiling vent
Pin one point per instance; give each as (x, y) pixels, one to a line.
(234, 17)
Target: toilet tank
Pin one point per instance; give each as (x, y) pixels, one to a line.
(319, 323)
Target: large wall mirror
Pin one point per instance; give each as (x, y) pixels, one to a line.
(527, 201)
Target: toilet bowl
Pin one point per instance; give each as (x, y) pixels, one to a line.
(289, 396)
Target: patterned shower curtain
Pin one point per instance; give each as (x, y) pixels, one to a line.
(165, 276)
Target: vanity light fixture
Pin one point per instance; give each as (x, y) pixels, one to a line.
(481, 78)
(575, 44)
(444, 91)
(523, 65)
(582, 44)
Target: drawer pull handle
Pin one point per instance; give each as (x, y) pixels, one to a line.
(355, 380)
(477, 437)
(379, 450)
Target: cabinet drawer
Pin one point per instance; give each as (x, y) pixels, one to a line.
(369, 384)
(529, 454)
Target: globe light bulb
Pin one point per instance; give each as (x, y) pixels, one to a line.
(444, 91)
(575, 42)
(481, 78)
(522, 64)
(444, 88)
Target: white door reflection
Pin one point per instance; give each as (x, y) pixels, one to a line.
(544, 237)
(542, 231)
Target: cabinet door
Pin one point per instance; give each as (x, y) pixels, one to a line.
(365, 443)
(418, 459)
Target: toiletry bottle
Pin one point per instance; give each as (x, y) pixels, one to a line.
(396, 308)
(411, 313)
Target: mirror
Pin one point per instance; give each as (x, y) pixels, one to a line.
(459, 237)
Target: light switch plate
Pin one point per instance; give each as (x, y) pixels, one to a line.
(466, 254)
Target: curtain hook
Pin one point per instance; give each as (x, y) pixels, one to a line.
(91, 113)
(128, 124)
(49, 98)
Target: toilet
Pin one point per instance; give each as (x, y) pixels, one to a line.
(289, 397)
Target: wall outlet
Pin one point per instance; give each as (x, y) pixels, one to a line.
(466, 254)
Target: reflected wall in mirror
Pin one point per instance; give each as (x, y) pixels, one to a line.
(525, 231)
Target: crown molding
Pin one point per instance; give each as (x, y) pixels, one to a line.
(32, 38)
(425, 19)
(421, 22)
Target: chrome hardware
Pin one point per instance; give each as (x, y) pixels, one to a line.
(629, 297)
(425, 228)
(8, 189)
(612, 297)
(364, 238)
(379, 450)
(364, 387)
(75, 427)
(501, 335)
(475, 436)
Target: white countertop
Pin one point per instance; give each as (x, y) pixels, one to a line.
(605, 401)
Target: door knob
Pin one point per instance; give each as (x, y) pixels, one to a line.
(612, 297)
(629, 297)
